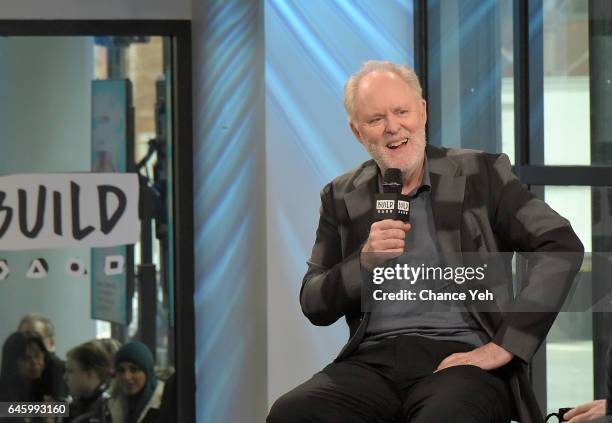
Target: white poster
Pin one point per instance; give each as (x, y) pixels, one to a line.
(60, 210)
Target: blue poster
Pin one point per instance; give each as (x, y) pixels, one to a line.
(111, 147)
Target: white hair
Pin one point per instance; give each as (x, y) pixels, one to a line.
(406, 73)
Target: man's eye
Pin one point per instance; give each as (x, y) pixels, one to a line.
(375, 120)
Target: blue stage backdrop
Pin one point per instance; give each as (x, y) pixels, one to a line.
(270, 133)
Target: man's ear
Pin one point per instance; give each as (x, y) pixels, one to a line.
(51, 344)
(424, 110)
(356, 132)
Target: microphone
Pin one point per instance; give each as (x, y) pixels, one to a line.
(391, 204)
(392, 181)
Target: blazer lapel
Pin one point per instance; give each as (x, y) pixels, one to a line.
(360, 205)
(448, 189)
(360, 202)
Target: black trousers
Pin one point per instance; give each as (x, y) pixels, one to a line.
(394, 381)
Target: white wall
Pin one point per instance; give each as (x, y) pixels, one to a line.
(230, 211)
(95, 9)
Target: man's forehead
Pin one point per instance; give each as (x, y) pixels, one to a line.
(378, 76)
(376, 80)
(33, 326)
(375, 88)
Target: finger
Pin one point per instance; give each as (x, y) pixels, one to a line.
(577, 410)
(448, 361)
(384, 245)
(570, 414)
(389, 234)
(446, 365)
(388, 224)
(579, 418)
(393, 253)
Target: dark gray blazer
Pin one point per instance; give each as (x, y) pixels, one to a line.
(478, 205)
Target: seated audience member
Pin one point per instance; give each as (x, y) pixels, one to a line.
(110, 345)
(594, 410)
(42, 325)
(139, 393)
(25, 373)
(88, 372)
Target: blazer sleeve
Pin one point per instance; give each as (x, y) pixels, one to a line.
(527, 224)
(331, 287)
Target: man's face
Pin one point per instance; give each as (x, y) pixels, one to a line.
(390, 122)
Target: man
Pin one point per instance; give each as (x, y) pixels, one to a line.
(43, 326)
(40, 324)
(427, 367)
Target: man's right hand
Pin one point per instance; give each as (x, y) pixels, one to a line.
(386, 240)
(386, 236)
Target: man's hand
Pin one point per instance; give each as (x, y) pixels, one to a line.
(386, 236)
(385, 242)
(585, 412)
(488, 357)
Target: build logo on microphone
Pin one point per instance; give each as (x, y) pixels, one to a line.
(403, 207)
(385, 206)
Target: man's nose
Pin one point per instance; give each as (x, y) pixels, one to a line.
(393, 124)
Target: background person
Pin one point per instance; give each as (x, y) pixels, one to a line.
(25, 373)
(43, 326)
(40, 324)
(139, 394)
(110, 345)
(88, 371)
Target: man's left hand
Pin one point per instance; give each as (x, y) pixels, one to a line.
(488, 357)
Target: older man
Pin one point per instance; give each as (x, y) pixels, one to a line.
(43, 326)
(40, 324)
(421, 367)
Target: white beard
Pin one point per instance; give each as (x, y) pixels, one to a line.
(410, 165)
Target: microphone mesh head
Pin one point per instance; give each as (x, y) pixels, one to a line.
(392, 181)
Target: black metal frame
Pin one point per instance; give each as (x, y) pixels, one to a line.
(180, 33)
(421, 46)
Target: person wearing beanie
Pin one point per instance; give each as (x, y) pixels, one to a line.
(139, 398)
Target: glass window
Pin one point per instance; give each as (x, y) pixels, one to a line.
(471, 83)
(565, 65)
(576, 344)
(79, 114)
